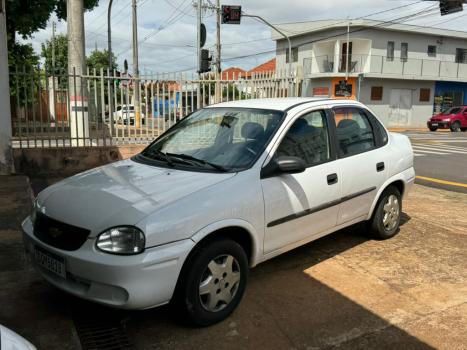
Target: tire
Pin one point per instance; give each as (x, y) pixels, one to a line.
(387, 215)
(463, 129)
(209, 266)
(456, 126)
(433, 128)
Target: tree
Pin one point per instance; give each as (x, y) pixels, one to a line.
(28, 16)
(61, 54)
(100, 59)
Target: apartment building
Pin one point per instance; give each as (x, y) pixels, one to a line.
(404, 73)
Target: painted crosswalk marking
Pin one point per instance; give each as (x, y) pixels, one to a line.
(439, 150)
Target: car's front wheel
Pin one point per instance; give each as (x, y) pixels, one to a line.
(212, 282)
(456, 126)
(387, 215)
(433, 128)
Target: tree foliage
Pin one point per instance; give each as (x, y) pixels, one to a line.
(61, 54)
(24, 17)
(100, 59)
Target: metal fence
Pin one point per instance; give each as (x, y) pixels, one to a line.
(104, 109)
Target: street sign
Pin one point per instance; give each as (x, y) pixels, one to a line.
(447, 7)
(231, 14)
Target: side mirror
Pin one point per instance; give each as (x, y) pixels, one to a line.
(283, 165)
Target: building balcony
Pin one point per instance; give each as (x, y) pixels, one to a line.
(382, 66)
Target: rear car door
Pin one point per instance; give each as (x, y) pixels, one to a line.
(300, 206)
(362, 160)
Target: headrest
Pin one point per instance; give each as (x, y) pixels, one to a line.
(252, 131)
(347, 123)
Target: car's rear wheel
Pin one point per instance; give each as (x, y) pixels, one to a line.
(212, 282)
(433, 128)
(387, 215)
(456, 126)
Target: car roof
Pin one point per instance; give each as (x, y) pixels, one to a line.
(281, 104)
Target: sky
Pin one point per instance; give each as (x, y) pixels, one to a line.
(167, 28)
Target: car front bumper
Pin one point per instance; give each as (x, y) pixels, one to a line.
(438, 124)
(127, 282)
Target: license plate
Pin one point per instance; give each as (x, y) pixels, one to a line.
(50, 261)
(434, 124)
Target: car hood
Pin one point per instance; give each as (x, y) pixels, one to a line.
(120, 193)
(442, 116)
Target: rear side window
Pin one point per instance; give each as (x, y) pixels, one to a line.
(307, 138)
(354, 131)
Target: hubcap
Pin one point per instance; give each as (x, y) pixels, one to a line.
(391, 213)
(219, 283)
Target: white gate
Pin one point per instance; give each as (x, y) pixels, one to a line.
(400, 107)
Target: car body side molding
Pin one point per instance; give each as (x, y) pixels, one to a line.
(319, 207)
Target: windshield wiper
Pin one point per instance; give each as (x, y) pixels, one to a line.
(160, 154)
(202, 161)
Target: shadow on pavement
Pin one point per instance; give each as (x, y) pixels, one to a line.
(284, 306)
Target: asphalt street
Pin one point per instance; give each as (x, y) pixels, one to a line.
(440, 159)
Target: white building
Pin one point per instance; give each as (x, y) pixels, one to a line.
(406, 71)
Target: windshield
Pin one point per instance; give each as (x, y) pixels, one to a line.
(453, 110)
(217, 139)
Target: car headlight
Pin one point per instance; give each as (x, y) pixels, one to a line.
(446, 120)
(123, 240)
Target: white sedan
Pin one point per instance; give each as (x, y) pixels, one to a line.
(225, 189)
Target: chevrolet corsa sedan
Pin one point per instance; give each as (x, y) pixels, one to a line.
(226, 188)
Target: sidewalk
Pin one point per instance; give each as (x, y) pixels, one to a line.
(343, 291)
(29, 306)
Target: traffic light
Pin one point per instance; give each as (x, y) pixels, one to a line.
(447, 7)
(231, 14)
(205, 65)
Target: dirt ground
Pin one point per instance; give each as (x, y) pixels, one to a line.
(343, 291)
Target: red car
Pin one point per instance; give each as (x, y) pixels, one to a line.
(454, 118)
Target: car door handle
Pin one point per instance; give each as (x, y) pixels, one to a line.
(332, 179)
(380, 166)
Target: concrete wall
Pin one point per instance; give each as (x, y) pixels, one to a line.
(418, 114)
(61, 162)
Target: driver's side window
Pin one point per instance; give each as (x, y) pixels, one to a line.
(308, 139)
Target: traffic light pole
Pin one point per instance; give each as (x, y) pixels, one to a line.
(280, 32)
(198, 46)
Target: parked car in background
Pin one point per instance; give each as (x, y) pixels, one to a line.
(10, 340)
(126, 113)
(228, 187)
(454, 118)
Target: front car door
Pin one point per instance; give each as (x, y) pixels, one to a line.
(298, 207)
(362, 160)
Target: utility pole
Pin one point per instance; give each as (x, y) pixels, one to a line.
(53, 46)
(6, 159)
(218, 36)
(109, 51)
(135, 67)
(347, 53)
(218, 49)
(198, 47)
(79, 118)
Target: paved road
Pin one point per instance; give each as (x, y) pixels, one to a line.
(440, 159)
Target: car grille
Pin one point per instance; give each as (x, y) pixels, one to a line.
(58, 234)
